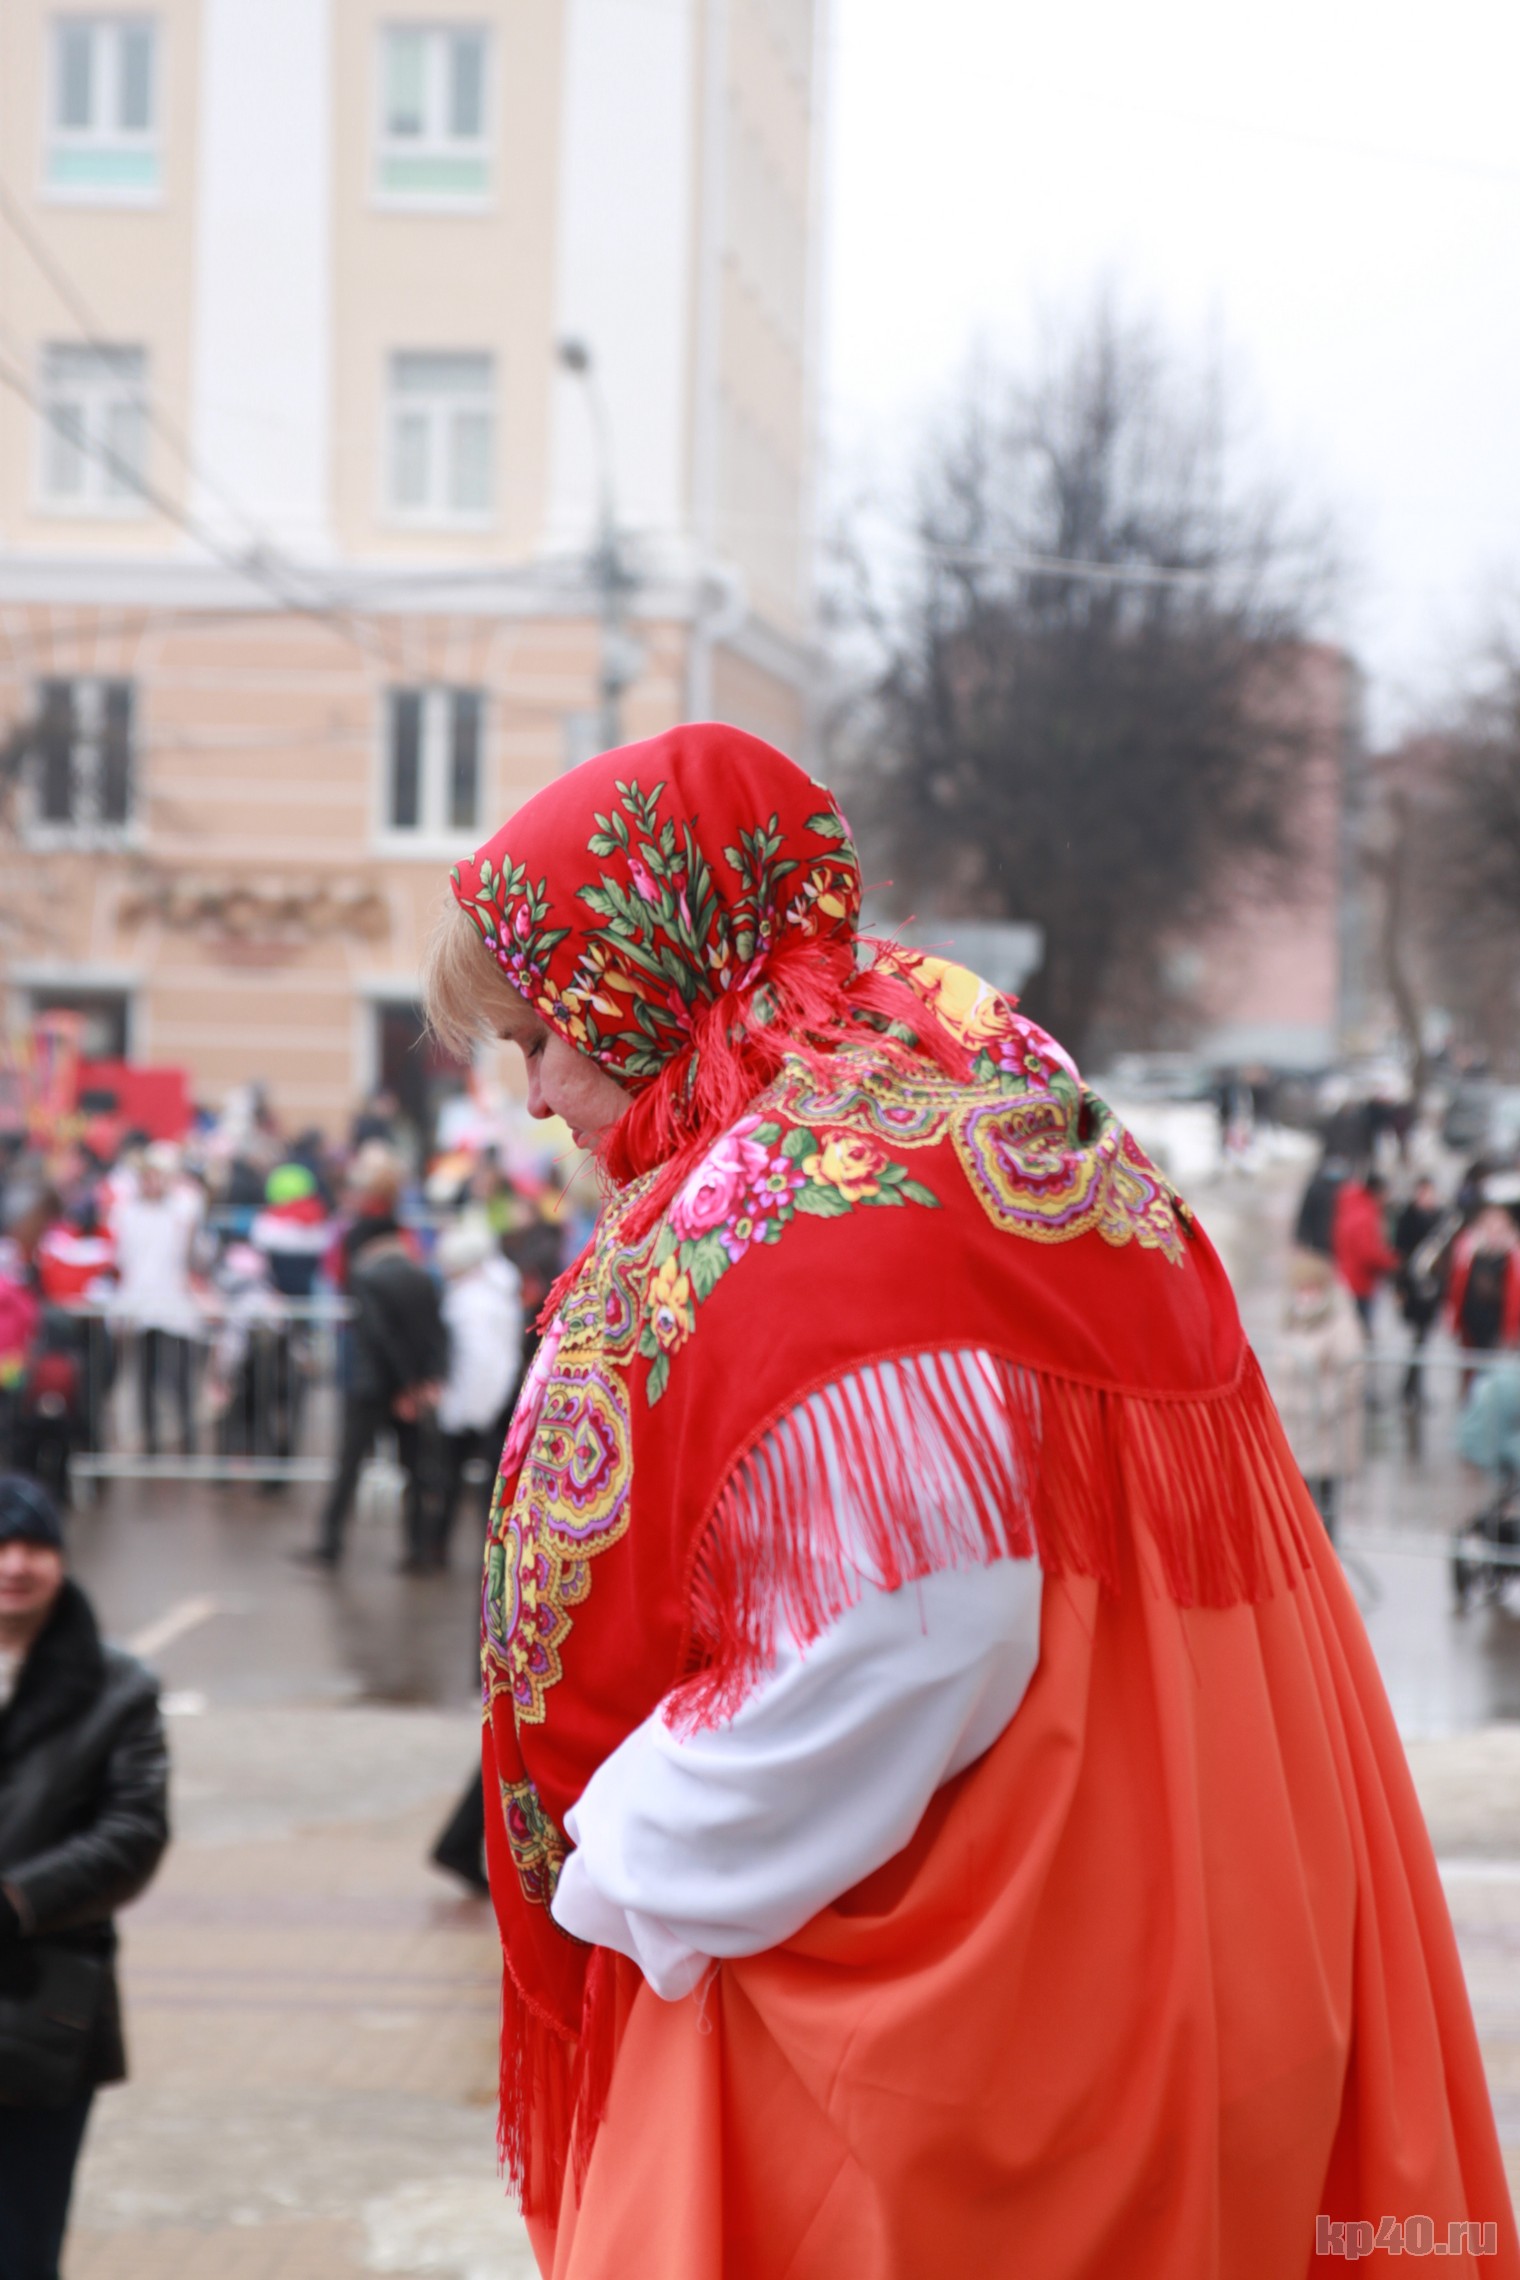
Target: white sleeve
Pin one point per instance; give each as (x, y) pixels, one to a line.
(725, 1842)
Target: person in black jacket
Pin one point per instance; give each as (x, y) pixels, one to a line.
(1421, 1277)
(399, 1358)
(83, 1824)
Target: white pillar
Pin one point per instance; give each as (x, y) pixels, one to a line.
(261, 371)
(624, 264)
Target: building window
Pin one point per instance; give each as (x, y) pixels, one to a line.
(104, 1017)
(434, 147)
(441, 421)
(94, 430)
(81, 763)
(102, 139)
(433, 762)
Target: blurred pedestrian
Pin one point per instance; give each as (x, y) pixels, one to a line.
(1483, 1297)
(1363, 1256)
(83, 1825)
(398, 1361)
(1421, 1275)
(1235, 1104)
(1471, 1187)
(373, 1197)
(250, 1388)
(379, 1119)
(482, 1313)
(155, 1228)
(1314, 1228)
(293, 1230)
(19, 1318)
(1319, 1381)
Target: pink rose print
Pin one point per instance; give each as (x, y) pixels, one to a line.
(718, 1186)
(768, 1194)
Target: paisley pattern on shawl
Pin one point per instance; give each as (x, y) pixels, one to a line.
(538, 1849)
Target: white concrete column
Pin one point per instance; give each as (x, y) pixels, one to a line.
(625, 240)
(261, 357)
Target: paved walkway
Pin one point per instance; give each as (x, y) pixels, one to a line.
(312, 2021)
(312, 2010)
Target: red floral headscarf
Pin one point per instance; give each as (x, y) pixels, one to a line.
(653, 881)
(684, 911)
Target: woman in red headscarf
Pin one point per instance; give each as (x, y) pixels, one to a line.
(941, 1809)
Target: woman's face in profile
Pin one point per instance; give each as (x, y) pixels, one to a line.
(564, 1082)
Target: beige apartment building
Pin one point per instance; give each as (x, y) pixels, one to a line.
(318, 553)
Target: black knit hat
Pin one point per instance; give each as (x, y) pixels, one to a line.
(28, 1512)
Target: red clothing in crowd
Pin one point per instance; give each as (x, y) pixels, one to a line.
(73, 1266)
(1456, 1300)
(1362, 1253)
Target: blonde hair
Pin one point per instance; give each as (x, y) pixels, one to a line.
(465, 992)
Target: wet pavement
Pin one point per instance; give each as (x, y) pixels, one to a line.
(311, 2014)
(202, 1579)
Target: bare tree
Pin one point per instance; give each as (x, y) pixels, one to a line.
(1464, 889)
(1087, 716)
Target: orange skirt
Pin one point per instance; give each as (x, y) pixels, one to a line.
(1162, 1979)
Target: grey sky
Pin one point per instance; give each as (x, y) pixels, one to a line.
(1330, 192)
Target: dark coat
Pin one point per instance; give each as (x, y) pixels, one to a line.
(84, 1780)
(398, 1332)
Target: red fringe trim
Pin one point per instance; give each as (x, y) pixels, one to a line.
(910, 1465)
(810, 1518)
(553, 2090)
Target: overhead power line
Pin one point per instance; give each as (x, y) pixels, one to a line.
(93, 333)
(248, 567)
(1061, 566)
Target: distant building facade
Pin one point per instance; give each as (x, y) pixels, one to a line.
(1287, 980)
(305, 573)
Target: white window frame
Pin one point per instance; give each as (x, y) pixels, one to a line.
(432, 835)
(435, 146)
(129, 146)
(86, 828)
(438, 409)
(100, 393)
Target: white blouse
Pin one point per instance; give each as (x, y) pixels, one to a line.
(723, 1842)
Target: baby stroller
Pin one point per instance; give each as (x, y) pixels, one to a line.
(1485, 1552)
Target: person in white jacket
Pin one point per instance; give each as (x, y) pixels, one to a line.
(482, 1312)
(155, 1226)
(1319, 1377)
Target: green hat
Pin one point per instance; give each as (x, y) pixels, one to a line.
(289, 1183)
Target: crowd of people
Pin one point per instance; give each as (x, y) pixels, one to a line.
(1356, 1247)
(184, 1300)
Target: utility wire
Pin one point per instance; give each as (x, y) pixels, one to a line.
(248, 567)
(263, 564)
(74, 301)
(1060, 566)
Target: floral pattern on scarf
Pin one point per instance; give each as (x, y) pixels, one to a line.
(687, 883)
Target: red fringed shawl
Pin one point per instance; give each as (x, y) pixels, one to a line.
(830, 1171)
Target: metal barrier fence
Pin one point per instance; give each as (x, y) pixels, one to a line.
(255, 1393)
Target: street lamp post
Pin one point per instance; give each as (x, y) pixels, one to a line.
(620, 654)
